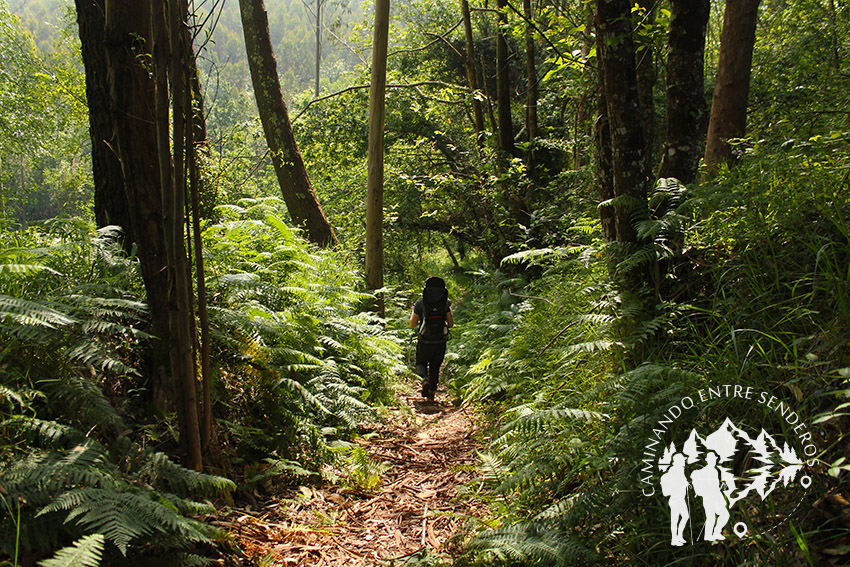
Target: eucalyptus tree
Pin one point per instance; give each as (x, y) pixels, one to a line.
(295, 185)
(375, 165)
(147, 62)
(728, 118)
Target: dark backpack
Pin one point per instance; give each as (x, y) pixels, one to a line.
(435, 306)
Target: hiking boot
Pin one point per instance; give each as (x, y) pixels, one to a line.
(426, 393)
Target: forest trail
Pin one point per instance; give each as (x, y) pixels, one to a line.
(428, 454)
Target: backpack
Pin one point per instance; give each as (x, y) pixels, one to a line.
(435, 305)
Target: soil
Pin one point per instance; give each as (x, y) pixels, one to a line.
(428, 453)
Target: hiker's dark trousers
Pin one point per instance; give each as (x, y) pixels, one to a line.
(429, 357)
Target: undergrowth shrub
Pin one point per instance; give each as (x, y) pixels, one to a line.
(72, 480)
(84, 471)
(298, 360)
(753, 293)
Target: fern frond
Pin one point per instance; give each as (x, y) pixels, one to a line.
(32, 313)
(85, 552)
(124, 517)
(49, 432)
(84, 400)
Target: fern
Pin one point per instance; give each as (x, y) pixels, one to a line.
(85, 552)
(125, 517)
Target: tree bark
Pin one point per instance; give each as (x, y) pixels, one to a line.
(503, 84)
(472, 75)
(301, 201)
(110, 199)
(196, 142)
(531, 95)
(686, 105)
(604, 161)
(628, 160)
(375, 182)
(732, 84)
(647, 76)
(133, 136)
(170, 58)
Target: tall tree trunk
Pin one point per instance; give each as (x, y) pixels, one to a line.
(375, 182)
(318, 42)
(170, 57)
(604, 161)
(531, 95)
(472, 74)
(686, 104)
(134, 138)
(196, 143)
(110, 199)
(515, 199)
(732, 84)
(301, 201)
(646, 79)
(617, 64)
(503, 84)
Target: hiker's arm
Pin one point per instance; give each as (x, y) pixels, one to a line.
(414, 318)
(450, 320)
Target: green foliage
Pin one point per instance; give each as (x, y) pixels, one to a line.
(43, 136)
(298, 360)
(751, 294)
(364, 472)
(86, 552)
(68, 471)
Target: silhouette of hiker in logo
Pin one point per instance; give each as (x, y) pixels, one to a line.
(706, 483)
(674, 484)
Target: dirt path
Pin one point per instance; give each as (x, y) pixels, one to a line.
(429, 454)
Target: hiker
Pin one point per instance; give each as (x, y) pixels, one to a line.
(432, 313)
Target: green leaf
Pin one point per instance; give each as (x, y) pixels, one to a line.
(85, 552)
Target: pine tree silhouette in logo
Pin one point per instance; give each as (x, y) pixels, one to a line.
(703, 466)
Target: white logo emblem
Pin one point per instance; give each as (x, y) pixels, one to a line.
(727, 471)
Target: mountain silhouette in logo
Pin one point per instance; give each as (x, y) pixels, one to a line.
(767, 464)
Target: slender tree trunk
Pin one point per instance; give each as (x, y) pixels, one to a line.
(503, 84)
(732, 84)
(686, 105)
(196, 142)
(318, 42)
(375, 182)
(531, 77)
(617, 65)
(301, 201)
(133, 136)
(472, 74)
(170, 56)
(647, 76)
(110, 199)
(515, 199)
(604, 162)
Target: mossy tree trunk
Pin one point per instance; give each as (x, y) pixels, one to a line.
(616, 59)
(686, 105)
